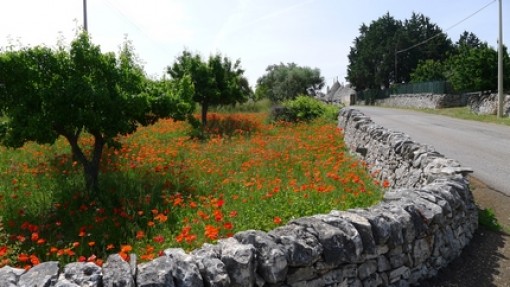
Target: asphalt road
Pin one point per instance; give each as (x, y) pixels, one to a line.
(481, 146)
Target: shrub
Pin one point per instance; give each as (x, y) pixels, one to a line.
(303, 109)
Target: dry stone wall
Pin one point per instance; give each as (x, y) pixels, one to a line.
(422, 224)
(424, 101)
(487, 104)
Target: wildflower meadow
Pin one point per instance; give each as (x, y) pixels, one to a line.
(165, 189)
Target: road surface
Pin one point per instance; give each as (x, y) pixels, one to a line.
(482, 146)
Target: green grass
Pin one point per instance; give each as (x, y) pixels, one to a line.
(487, 218)
(163, 190)
(466, 114)
(248, 107)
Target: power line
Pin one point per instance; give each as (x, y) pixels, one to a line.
(449, 28)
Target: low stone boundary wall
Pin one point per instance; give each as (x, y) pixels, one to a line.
(424, 101)
(422, 224)
(487, 104)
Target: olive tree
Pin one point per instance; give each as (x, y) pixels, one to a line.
(46, 93)
(286, 81)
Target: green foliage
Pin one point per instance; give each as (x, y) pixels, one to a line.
(331, 112)
(386, 40)
(468, 39)
(476, 68)
(171, 99)
(65, 92)
(487, 218)
(428, 70)
(286, 81)
(8, 250)
(219, 81)
(472, 66)
(250, 106)
(304, 109)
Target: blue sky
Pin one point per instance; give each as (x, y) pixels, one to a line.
(314, 33)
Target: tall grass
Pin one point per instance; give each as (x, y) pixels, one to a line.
(163, 190)
(248, 107)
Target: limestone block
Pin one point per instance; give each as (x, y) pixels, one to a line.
(117, 272)
(44, 274)
(82, 274)
(239, 260)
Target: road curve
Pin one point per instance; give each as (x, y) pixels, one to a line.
(482, 146)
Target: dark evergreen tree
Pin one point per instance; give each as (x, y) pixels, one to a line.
(388, 50)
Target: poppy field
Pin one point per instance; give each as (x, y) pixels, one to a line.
(163, 189)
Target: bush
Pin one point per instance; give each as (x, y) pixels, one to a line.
(303, 109)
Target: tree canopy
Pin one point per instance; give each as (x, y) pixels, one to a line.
(475, 68)
(287, 81)
(472, 66)
(46, 93)
(428, 70)
(388, 50)
(219, 81)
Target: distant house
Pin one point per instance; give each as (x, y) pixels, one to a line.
(339, 94)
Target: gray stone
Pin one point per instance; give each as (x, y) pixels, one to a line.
(397, 260)
(363, 227)
(301, 274)
(487, 104)
(271, 260)
(239, 260)
(41, 275)
(156, 273)
(185, 272)
(117, 272)
(213, 270)
(383, 264)
(366, 269)
(399, 273)
(83, 274)
(338, 248)
(9, 276)
(373, 280)
(318, 282)
(66, 283)
(422, 249)
(380, 226)
(300, 246)
(349, 270)
(332, 277)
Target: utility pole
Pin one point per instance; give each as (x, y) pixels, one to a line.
(501, 98)
(85, 26)
(396, 66)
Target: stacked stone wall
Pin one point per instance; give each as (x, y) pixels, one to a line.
(487, 104)
(424, 101)
(421, 225)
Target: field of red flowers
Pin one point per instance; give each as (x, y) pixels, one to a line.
(163, 189)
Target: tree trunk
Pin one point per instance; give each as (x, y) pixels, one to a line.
(90, 167)
(205, 107)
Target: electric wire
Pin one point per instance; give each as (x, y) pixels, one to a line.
(449, 28)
